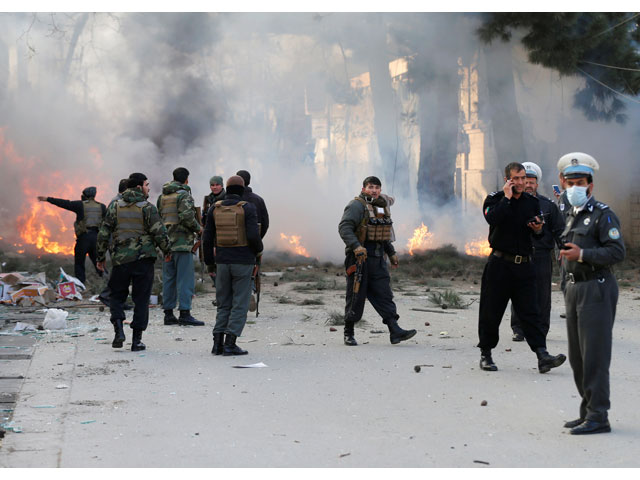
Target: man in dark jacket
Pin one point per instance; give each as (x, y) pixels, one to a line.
(89, 215)
(261, 208)
(217, 193)
(231, 241)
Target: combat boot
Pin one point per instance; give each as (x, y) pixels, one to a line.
(119, 337)
(218, 344)
(486, 362)
(169, 317)
(546, 361)
(349, 338)
(186, 319)
(230, 347)
(136, 341)
(397, 334)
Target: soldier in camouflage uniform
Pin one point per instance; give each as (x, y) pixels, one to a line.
(89, 215)
(178, 276)
(136, 230)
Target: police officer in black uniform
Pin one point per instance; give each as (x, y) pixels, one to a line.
(366, 230)
(89, 215)
(543, 246)
(593, 243)
(513, 215)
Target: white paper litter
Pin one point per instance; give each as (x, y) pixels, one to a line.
(24, 327)
(253, 365)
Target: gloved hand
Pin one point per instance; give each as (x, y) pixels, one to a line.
(360, 252)
(394, 259)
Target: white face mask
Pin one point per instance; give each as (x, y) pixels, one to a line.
(577, 196)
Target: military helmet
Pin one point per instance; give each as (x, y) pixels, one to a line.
(577, 164)
(532, 170)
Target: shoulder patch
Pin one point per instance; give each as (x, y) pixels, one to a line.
(602, 206)
(614, 233)
(486, 210)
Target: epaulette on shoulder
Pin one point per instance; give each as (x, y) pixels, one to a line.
(602, 206)
(493, 194)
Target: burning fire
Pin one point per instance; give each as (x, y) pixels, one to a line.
(41, 224)
(294, 244)
(478, 248)
(421, 239)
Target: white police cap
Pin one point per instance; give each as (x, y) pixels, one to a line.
(532, 170)
(577, 164)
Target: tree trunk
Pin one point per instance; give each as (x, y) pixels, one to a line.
(502, 108)
(77, 30)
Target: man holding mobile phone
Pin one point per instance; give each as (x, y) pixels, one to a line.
(552, 227)
(509, 273)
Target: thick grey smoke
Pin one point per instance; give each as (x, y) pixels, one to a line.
(217, 93)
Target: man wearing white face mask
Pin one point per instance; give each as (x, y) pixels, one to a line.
(592, 244)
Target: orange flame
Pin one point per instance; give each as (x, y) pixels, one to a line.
(294, 242)
(477, 248)
(421, 239)
(41, 224)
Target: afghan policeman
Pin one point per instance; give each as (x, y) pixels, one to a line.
(217, 193)
(543, 246)
(89, 215)
(136, 230)
(365, 228)
(232, 228)
(252, 197)
(178, 276)
(592, 244)
(513, 216)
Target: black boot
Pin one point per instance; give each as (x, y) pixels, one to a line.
(230, 347)
(218, 344)
(136, 341)
(546, 361)
(397, 333)
(186, 319)
(349, 333)
(169, 317)
(119, 337)
(486, 362)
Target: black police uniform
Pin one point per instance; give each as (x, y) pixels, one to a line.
(591, 296)
(543, 261)
(509, 273)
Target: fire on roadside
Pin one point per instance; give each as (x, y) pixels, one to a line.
(477, 248)
(293, 244)
(41, 225)
(421, 240)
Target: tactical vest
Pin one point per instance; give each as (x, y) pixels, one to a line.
(376, 226)
(92, 217)
(169, 208)
(130, 222)
(230, 228)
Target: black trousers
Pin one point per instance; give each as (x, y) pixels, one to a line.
(503, 281)
(543, 265)
(140, 275)
(85, 245)
(591, 310)
(375, 286)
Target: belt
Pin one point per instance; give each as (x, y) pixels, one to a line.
(586, 276)
(511, 258)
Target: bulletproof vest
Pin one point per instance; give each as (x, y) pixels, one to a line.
(169, 208)
(230, 228)
(92, 217)
(130, 222)
(376, 225)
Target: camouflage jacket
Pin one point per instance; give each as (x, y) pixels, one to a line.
(141, 246)
(183, 231)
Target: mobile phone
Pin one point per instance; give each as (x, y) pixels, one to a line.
(556, 189)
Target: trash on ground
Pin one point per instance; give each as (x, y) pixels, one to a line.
(62, 386)
(24, 327)
(55, 319)
(253, 365)
(88, 421)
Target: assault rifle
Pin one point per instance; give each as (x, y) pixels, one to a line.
(255, 277)
(198, 244)
(357, 271)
